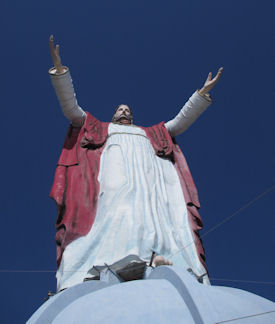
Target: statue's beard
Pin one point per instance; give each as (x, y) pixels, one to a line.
(118, 119)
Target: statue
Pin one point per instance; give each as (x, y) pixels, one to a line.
(121, 189)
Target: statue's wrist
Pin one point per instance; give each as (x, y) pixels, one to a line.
(203, 91)
(58, 71)
(204, 94)
(61, 69)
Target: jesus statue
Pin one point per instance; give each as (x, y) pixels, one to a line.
(123, 189)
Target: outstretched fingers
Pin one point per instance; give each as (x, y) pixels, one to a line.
(51, 43)
(209, 76)
(52, 49)
(57, 50)
(218, 75)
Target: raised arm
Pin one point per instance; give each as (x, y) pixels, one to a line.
(194, 107)
(62, 83)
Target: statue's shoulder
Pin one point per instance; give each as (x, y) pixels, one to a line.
(94, 132)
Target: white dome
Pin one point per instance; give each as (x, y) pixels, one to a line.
(168, 295)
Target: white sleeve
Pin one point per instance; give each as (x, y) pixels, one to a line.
(64, 89)
(193, 108)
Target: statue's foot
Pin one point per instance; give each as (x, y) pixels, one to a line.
(159, 260)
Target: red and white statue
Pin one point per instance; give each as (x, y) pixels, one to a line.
(123, 189)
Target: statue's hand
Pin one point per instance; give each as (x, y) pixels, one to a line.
(210, 83)
(55, 56)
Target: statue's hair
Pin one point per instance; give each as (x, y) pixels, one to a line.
(117, 109)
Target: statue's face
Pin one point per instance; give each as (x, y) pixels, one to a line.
(123, 115)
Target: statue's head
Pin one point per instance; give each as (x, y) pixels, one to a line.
(123, 115)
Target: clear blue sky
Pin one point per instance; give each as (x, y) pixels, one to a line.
(151, 55)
